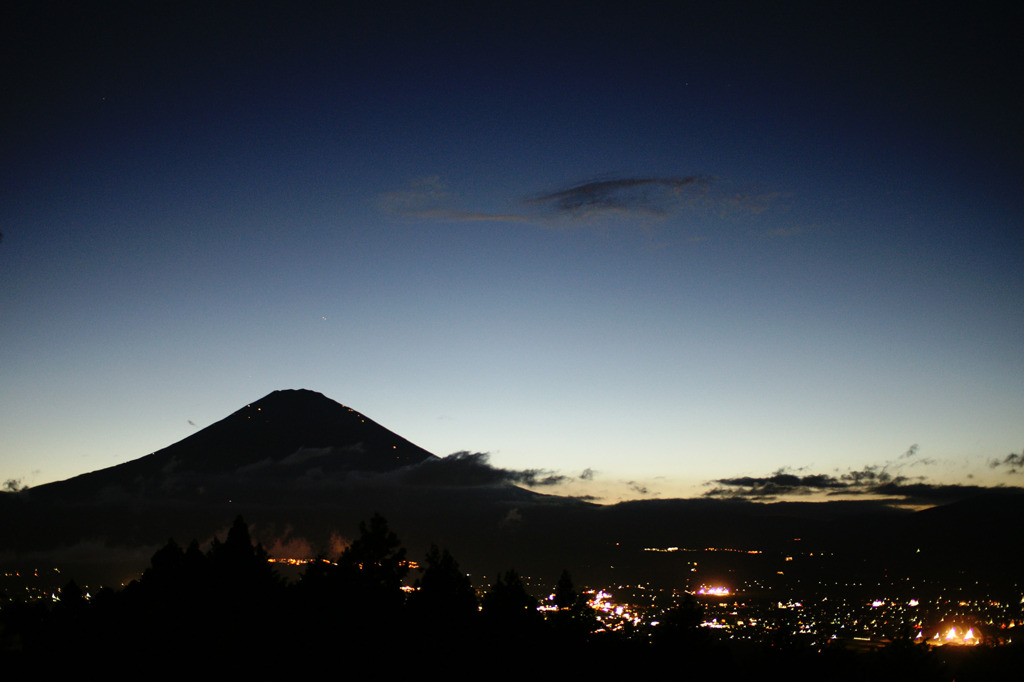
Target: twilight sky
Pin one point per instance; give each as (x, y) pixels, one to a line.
(671, 246)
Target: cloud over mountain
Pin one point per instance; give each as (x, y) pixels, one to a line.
(474, 469)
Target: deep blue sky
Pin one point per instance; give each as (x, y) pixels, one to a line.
(671, 246)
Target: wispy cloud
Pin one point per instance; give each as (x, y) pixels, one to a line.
(639, 488)
(430, 198)
(1013, 462)
(750, 203)
(422, 194)
(911, 452)
(13, 485)
(469, 216)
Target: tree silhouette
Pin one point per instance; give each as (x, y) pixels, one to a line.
(574, 619)
(371, 571)
(188, 597)
(508, 607)
(680, 626)
(566, 595)
(240, 570)
(444, 594)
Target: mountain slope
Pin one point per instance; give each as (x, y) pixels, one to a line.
(302, 469)
(286, 433)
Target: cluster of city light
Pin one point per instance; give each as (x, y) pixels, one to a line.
(706, 549)
(952, 637)
(715, 591)
(876, 603)
(613, 616)
(290, 561)
(601, 601)
(715, 625)
(743, 619)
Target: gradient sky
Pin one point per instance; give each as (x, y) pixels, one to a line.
(670, 246)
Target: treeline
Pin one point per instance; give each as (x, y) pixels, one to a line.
(228, 609)
(228, 604)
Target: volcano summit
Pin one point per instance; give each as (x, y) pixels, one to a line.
(286, 435)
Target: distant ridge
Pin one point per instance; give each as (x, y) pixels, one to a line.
(288, 428)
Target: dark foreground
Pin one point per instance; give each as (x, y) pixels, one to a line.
(227, 610)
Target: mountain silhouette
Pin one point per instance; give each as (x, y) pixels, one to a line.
(283, 435)
(300, 467)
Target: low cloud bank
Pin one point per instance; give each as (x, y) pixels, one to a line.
(870, 481)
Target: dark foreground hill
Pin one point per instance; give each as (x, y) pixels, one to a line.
(304, 470)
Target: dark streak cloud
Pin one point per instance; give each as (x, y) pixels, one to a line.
(657, 196)
(933, 493)
(430, 199)
(871, 480)
(911, 451)
(465, 216)
(1013, 462)
(13, 485)
(638, 488)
